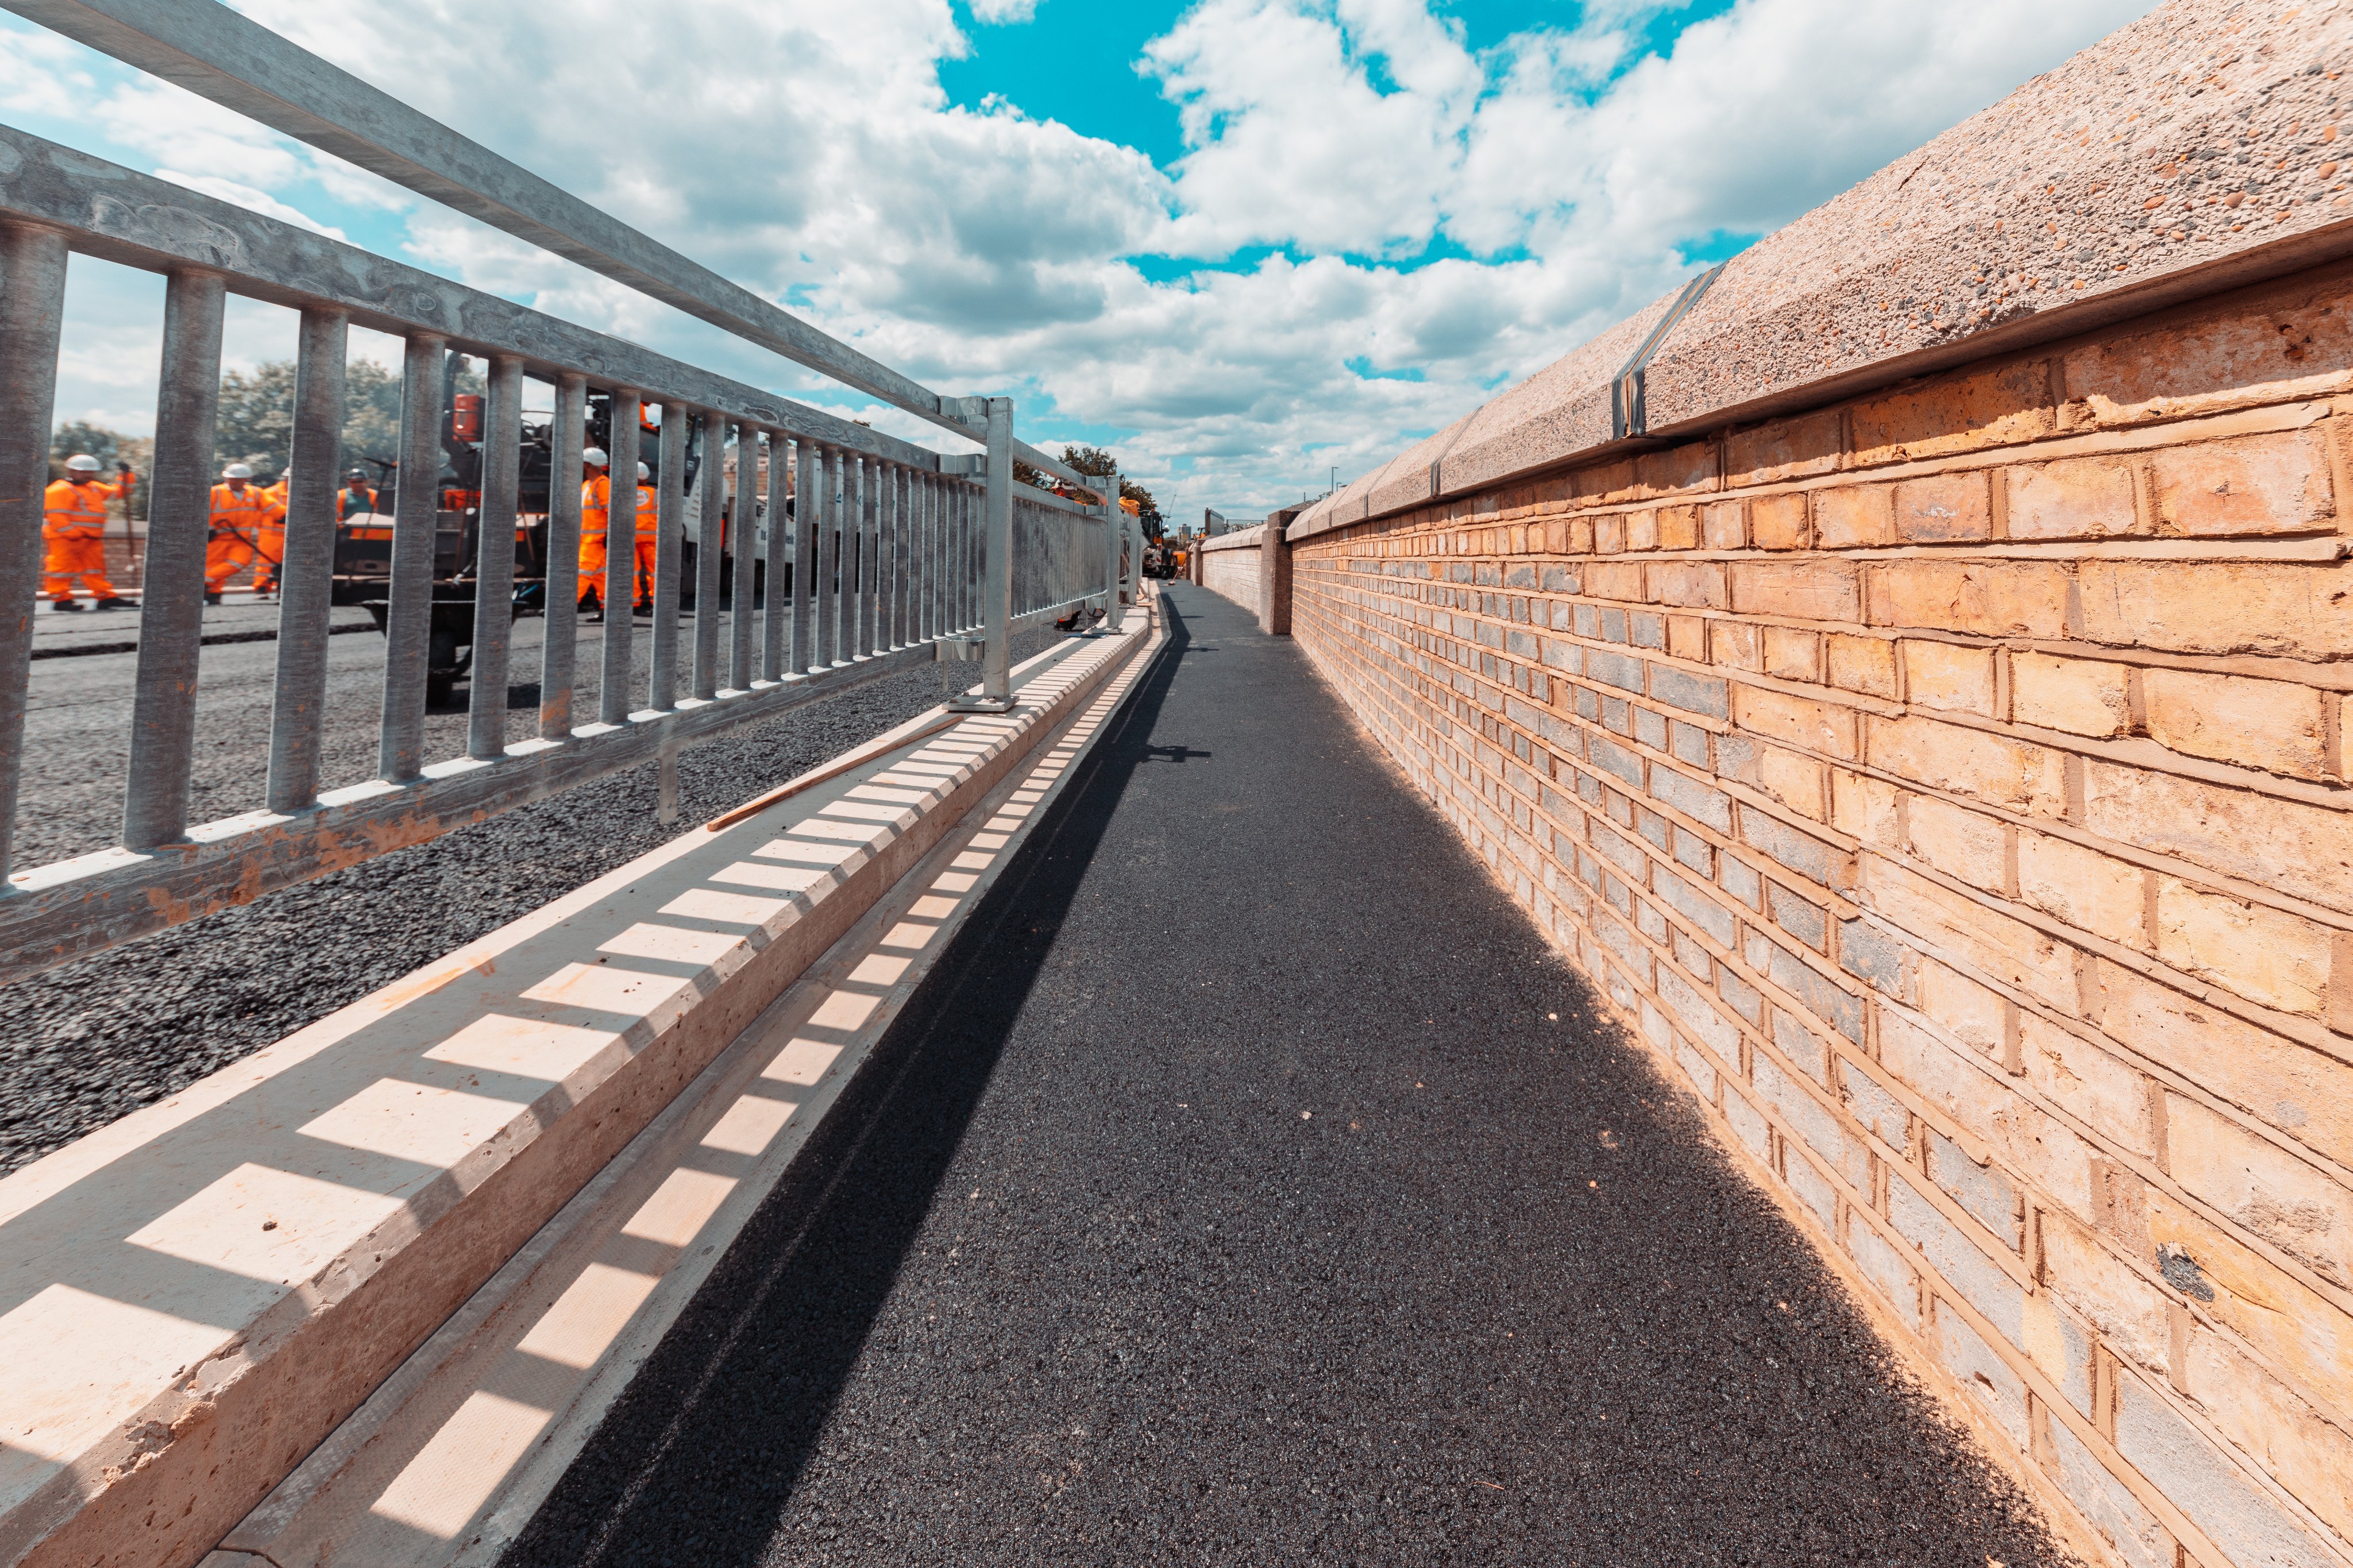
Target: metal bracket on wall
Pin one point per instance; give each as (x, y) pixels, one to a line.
(1627, 414)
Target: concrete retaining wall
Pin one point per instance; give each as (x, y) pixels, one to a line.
(1948, 780)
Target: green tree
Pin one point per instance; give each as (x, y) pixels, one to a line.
(257, 415)
(1095, 460)
(80, 435)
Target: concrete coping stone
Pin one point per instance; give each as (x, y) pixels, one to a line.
(193, 1296)
(1240, 538)
(2192, 151)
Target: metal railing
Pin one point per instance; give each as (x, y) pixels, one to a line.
(890, 555)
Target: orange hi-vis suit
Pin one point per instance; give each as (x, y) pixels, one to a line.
(271, 545)
(354, 499)
(73, 529)
(596, 512)
(240, 519)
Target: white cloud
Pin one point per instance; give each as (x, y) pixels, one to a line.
(809, 151)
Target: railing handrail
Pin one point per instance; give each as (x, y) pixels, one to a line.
(119, 215)
(217, 54)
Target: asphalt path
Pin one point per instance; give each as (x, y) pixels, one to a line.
(1250, 1185)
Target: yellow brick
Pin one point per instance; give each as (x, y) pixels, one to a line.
(1641, 531)
(1961, 413)
(2257, 484)
(2262, 1187)
(1854, 516)
(2290, 1442)
(1798, 590)
(2089, 890)
(1943, 509)
(1948, 676)
(2306, 850)
(2299, 612)
(2275, 725)
(1862, 664)
(1778, 522)
(1957, 926)
(1969, 1012)
(1865, 807)
(2303, 1334)
(2126, 1310)
(2094, 1085)
(1678, 529)
(1799, 721)
(1784, 450)
(2015, 598)
(1737, 644)
(1962, 844)
(1794, 780)
(2298, 341)
(1992, 768)
(2302, 1091)
(2080, 696)
(2088, 498)
(1793, 655)
(1722, 527)
(2264, 955)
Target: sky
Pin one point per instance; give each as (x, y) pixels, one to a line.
(1245, 243)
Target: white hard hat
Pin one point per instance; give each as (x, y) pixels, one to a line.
(238, 472)
(82, 463)
(595, 457)
(644, 473)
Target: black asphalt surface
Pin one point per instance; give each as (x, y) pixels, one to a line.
(89, 1042)
(1250, 1184)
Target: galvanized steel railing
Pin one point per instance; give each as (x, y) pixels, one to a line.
(895, 556)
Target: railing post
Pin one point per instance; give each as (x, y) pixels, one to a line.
(621, 559)
(415, 537)
(556, 657)
(172, 601)
(308, 573)
(1112, 515)
(870, 542)
(742, 522)
(773, 626)
(669, 541)
(997, 559)
(494, 549)
(806, 515)
(710, 490)
(32, 311)
(829, 584)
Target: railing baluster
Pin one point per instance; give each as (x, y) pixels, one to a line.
(808, 520)
(556, 657)
(620, 560)
(902, 485)
(307, 575)
(890, 560)
(711, 489)
(862, 515)
(828, 567)
(494, 553)
(662, 680)
(408, 619)
(925, 524)
(976, 564)
(172, 601)
(32, 311)
(742, 532)
(878, 507)
(997, 609)
(772, 627)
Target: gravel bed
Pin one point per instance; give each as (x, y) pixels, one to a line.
(85, 1044)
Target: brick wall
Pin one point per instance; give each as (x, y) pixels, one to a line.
(1949, 785)
(1232, 571)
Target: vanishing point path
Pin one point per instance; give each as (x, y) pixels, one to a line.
(1254, 1186)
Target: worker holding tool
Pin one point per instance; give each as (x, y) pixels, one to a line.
(241, 512)
(73, 528)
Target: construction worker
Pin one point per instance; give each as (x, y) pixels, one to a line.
(595, 514)
(357, 495)
(73, 532)
(240, 510)
(271, 545)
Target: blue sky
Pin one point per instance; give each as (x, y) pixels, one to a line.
(1242, 241)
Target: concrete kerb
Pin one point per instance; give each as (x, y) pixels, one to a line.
(192, 1298)
(448, 1461)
